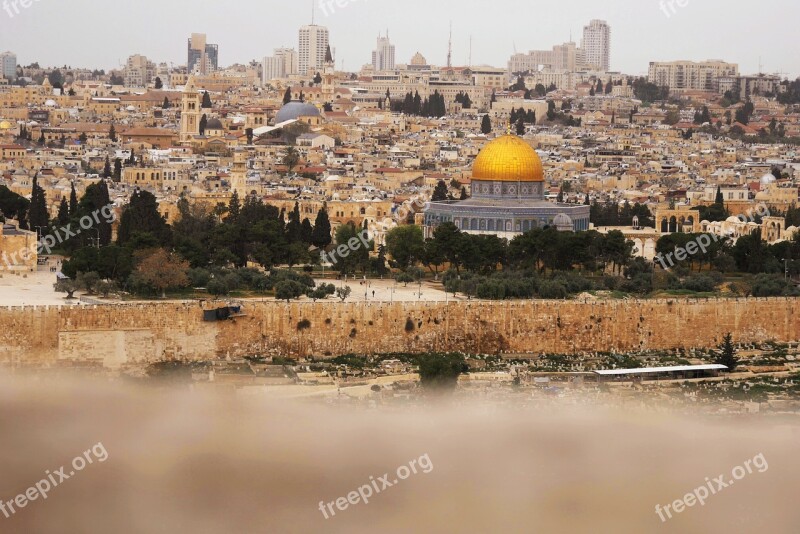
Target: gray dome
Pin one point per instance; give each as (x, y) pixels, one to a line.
(294, 110)
(214, 124)
(563, 222)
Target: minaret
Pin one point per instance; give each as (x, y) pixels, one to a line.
(190, 112)
(239, 174)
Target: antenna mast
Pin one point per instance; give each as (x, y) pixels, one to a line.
(450, 47)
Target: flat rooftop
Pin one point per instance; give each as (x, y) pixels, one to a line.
(654, 370)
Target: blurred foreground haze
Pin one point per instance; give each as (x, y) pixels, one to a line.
(208, 463)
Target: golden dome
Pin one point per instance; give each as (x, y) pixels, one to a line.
(508, 159)
(5, 125)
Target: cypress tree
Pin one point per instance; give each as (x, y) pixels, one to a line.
(73, 201)
(63, 212)
(321, 236)
(234, 209)
(486, 125)
(38, 219)
(306, 231)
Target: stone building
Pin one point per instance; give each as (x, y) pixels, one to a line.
(18, 249)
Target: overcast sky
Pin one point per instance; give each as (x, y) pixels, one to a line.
(103, 33)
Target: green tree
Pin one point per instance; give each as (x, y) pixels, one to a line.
(56, 79)
(112, 134)
(357, 258)
(343, 292)
(289, 290)
(159, 84)
(68, 286)
(440, 372)
(520, 127)
(142, 218)
(117, 170)
(287, 96)
(63, 213)
(234, 208)
(206, 104)
(405, 244)
(95, 199)
(321, 237)
(727, 354)
(440, 193)
(291, 158)
(38, 217)
(73, 200)
(486, 125)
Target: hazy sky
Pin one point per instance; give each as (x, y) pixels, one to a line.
(102, 33)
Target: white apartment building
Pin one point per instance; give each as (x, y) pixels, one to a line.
(314, 42)
(596, 45)
(282, 64)
(690, 75)
(139, 71)
(564, 57)
(746, 87)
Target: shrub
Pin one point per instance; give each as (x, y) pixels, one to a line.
(552, 290)
(199, 277)
(699, 283)
(288, 290)
(770, 285)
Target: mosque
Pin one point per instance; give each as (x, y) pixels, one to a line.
(507, 196)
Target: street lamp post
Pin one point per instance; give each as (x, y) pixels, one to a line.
(786, 268)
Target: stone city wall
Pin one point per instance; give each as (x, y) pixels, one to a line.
(120, 335)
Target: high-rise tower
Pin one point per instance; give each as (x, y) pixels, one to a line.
(596, 46)
(313, 43)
